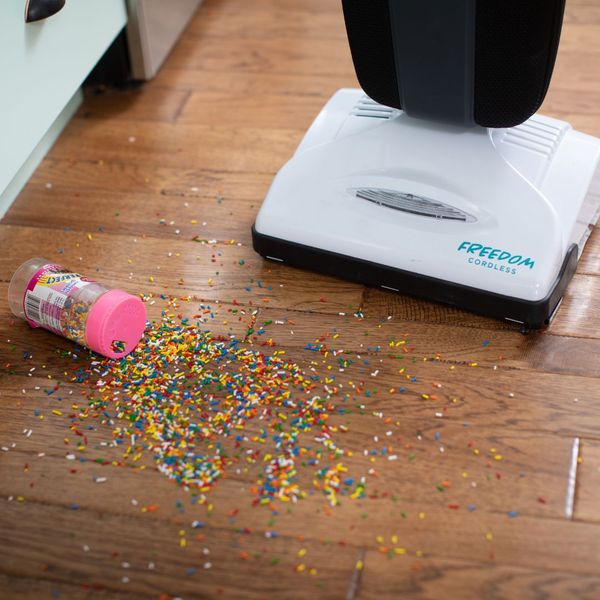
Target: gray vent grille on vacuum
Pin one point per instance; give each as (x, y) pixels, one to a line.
(366, 107)
(416, 205)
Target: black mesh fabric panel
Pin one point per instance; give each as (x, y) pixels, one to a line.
(516, 46)
(369, 33)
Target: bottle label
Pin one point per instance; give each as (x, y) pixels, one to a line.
(46, 301)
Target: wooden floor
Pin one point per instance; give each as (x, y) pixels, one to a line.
(492, 424)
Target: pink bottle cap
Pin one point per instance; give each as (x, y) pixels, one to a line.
(115, 324)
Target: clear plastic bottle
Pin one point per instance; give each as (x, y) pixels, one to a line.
(108, 321)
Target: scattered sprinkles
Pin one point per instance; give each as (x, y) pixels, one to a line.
(206, 409)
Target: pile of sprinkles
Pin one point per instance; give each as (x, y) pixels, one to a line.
(199, 404)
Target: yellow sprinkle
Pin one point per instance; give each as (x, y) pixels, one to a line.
(89, 237)
(421, 515)
(313, 571)
(57, 412)
(489, 537)
(20, 498)
(301, 568)
(151, 279)
(498, 457)
(302, 552)
(182, 542)
(394, 539)
(419, 553)
(359, 565)
(400, 551)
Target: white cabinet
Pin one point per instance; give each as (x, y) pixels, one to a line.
(42, 65)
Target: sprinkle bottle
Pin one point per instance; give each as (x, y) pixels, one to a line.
(108, 321)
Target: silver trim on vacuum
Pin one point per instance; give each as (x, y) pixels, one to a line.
(415, 205)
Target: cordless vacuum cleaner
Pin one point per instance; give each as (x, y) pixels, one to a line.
(438, 180)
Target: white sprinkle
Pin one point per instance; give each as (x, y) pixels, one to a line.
(572, 480)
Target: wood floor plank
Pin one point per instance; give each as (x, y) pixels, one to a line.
(586, 507)
(589, 263)
(575, 72)
(438, 579)
(176, 213)
(167, 145)
(151, 265)
(503, 349)
(261, 110)
(580, 36)
(270, 21)
(72, 177)
(240, 82)
(29, 587)
(144, 103)
(276, 55)
(147, 560)
(578, 315)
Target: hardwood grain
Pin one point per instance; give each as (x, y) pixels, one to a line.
(588, 481)
(154, 190)
(144, 104)
(437, 579)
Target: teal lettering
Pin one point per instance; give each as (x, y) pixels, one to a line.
(527, 262)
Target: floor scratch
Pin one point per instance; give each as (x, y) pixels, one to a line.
(572, 480)
(356, 575)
